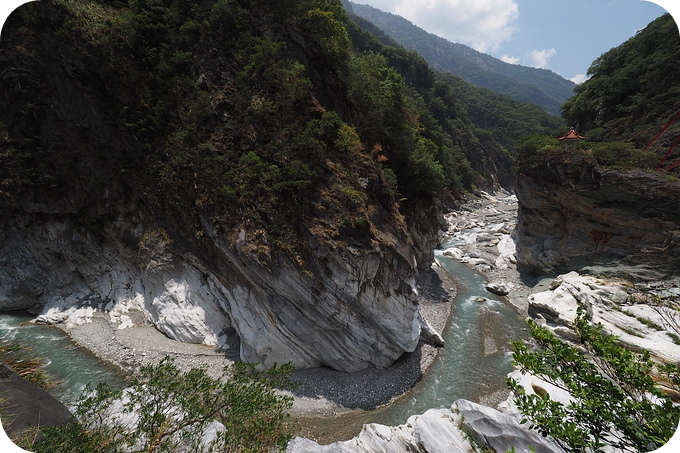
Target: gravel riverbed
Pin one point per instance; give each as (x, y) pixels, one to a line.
(324, 393)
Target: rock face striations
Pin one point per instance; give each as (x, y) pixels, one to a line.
(115, 197)
(575, 214)
(349, 309)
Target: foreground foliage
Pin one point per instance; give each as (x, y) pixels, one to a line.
(166, 410)
(616, 396)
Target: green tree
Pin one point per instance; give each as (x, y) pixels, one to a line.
(632, 89)
(624, 155)
(616, 401)
(166, 410)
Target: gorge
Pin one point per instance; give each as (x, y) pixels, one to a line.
(270, 182)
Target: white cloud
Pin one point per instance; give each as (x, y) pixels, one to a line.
(481, 24)
(579, 78)
(509, 59)
(539, 58)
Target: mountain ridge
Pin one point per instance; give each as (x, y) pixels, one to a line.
(547, 89)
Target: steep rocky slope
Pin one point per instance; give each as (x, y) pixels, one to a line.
(574, 213)
(195, 172)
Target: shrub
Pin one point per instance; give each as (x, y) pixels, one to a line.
(615, 400)
(168, 410)
(624, 155)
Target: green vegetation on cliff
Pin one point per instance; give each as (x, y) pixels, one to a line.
(633, 89)
(215, 114)
(631, 95)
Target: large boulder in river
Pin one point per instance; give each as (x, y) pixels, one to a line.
(498, 288)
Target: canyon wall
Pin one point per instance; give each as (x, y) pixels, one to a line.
(197, 195)
(349, 309)
(575, 214)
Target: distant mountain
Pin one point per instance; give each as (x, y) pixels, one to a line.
(535, 86)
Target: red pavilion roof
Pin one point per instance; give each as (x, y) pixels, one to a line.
(573, 135)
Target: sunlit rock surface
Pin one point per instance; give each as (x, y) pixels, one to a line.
(353, 308)
(440, 431)
(638, 324)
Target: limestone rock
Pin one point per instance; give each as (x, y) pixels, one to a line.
(498, 288)
(354, 309)
(638, 327)
(429, 333)
(501, 432)
(435, 431)
(440, 431)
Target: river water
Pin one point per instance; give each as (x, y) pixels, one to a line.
(476, 357)
(67, 365)
(472, 365)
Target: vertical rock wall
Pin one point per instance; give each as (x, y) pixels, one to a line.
(575, 214)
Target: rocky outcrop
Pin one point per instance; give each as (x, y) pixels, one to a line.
(92, 219)
(26, 407)
(353, 308)
(638, 324)
(440, 430)
(574, 213)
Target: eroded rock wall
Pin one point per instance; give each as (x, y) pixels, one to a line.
(575, 214)
(350, 309)
(91, 220)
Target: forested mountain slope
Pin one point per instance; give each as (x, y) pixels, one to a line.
(530, 85)
(265, 164)
(633, 89)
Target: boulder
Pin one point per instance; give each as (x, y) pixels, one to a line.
(435, 431)
(440, 431)
(501, 432)
(499, 288)
(638, 327)
(430, 334)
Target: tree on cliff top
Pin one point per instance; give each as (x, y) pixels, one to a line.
(616, 397)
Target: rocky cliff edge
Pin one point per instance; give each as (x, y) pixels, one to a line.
(575, 214)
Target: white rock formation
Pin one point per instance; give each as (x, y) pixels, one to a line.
(352, 309)
(638, 326)
(439, 431)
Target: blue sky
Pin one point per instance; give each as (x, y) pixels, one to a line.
(564, 36)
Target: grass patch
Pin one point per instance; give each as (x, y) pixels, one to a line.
(674, 337)
(29, 369)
